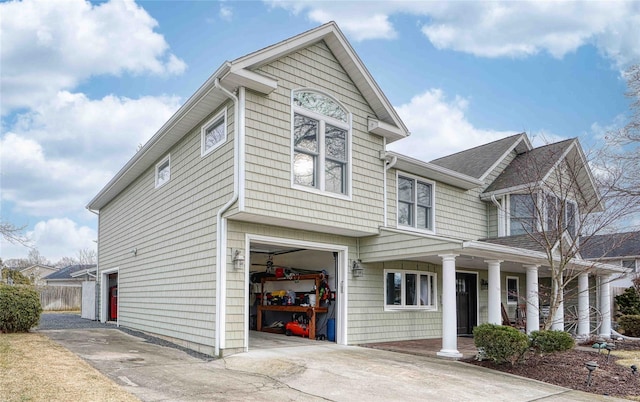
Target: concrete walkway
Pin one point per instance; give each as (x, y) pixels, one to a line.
(296, 371)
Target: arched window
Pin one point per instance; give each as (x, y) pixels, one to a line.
(321, 142)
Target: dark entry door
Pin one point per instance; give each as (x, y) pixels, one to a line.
(466, 299)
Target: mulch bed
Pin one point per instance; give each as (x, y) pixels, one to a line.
(568, 370)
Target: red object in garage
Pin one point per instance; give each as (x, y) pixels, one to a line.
(296, 328)
(113, 303)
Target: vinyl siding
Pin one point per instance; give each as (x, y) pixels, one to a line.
(169, 287)
(268, 147)
(369, 322)
(459, 213)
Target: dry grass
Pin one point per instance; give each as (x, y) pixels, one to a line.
(34, 368)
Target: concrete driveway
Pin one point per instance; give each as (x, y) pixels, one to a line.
(296, 371)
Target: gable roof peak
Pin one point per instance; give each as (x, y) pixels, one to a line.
(479, 161)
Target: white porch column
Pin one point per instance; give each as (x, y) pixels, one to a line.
(494, 308)
(605, 306)
(584, 325)
(533, 303)
(449, 308)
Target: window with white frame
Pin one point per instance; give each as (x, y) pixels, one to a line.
(409, 290)
(513, 287)
(415, 203)
(213, 133)
(629, 264)
(163, 171)
(560, 212)
(321, 142)
(522, 216)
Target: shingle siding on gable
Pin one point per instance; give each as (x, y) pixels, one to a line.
(268, 147)
(169, 287)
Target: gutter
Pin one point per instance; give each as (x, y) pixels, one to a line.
(221, 231)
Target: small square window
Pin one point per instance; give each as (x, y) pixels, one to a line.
(163, 172)
(213, 133)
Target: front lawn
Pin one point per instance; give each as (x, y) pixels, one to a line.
(34, 368)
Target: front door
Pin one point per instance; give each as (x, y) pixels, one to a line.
(466, 301)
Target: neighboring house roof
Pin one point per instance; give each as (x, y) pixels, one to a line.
(67, 272)
(239, 72)
(35, 266)
(478, 162)
(611, 246)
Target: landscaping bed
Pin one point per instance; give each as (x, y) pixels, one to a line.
(568, 369)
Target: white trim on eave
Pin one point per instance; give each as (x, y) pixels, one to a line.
(434, 172)
(523, 138)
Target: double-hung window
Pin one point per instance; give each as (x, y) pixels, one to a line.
(522, 215)
(409, 290)
(415, 203)
(163, 171)
(321, 143)
(560, 212)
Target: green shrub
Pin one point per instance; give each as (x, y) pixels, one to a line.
(500, 343)
(630, 324)
(20, 308)
(628, 302)
(551, 341)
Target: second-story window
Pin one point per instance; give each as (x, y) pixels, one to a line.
(560, 212)
(415, 203)
(213, 133)
(163, 171)
(522, 213)
(321, 142)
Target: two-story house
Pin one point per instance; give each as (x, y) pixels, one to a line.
(278, 165)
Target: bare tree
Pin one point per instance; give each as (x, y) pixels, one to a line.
(14, 234)
(622, 155)
(65, 262)
(87, 256)
(36, 258)
(561, 206)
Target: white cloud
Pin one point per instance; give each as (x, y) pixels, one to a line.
(52, 45)
(57, 156)
(226, 12)
(439, 127)
(495, 29)
(54, 239)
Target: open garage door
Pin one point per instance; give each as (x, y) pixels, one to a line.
(293, 294)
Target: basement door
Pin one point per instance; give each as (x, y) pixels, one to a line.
(467, 302)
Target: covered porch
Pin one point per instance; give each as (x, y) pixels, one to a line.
(498, 261)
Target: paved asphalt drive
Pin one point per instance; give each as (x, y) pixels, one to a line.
(301, 371)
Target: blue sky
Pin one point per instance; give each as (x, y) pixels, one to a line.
(83, 84)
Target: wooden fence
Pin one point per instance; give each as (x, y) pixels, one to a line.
(60, 298)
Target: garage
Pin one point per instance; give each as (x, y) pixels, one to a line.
(293, 291)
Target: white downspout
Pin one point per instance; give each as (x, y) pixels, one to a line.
(221, 233)
(501, 216)
(387, 165)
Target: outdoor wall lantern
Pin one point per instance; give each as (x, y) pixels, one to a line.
(134, 251)
(238, 260)
(357, 269)
(484, 284)
(591, 366)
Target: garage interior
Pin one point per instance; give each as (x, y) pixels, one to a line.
(292, 293)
